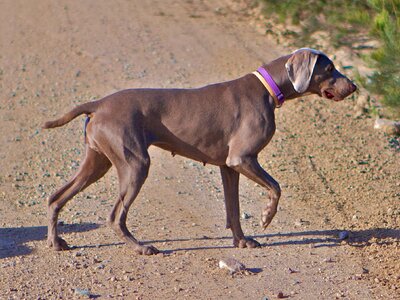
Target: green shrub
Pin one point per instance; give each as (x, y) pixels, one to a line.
(348, 22)
(386, 60)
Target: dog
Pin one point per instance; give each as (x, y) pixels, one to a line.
(224, 124)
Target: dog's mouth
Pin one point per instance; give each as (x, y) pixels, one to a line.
(328, 94)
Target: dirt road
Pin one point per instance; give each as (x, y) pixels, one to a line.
(337, 174)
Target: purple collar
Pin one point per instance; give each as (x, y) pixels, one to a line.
(272, 84)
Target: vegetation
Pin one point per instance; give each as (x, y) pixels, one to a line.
(348, 23)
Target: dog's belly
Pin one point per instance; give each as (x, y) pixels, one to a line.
(215, 155)
(203, 139)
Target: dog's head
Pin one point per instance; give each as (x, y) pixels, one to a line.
(311, 71)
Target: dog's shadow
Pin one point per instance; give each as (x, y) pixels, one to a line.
(316, 238)
(13, 239)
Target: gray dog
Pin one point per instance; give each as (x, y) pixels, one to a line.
(225, 124)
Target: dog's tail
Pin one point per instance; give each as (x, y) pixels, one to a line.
(86, 108)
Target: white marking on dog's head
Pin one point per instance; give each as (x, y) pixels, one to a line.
(309, 49)
(300, 67)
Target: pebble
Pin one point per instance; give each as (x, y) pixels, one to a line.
(339, 295)
(297, 223)
(281, 295)
(387, 126)
(128, 278)
(82, 292)
(178, 289)
(232, 265)
(357, 277)
(301, 222)
(361, 106)
(245, 216)
(96, 260)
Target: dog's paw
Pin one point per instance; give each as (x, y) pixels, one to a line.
(58, 244)
(246, 243)
(147, 250)
(266, 218)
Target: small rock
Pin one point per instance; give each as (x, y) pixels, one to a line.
(361, 106)
(245, 216)
(178, 289)
(82, 292)
(232, 265)
(343, 235)
(297, 223)
(339, 295)
(96, 260)
(301, 222)
(128, 278)
(387, 126)
(281, 295)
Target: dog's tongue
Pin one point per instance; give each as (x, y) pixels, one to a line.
(329, 95)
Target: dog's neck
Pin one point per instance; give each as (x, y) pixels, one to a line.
(278, 72)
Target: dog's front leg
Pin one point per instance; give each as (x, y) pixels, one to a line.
(230, 180)
(249, 166)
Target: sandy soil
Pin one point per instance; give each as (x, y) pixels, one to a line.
(337, 173)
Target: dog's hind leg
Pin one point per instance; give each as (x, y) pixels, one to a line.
(132, 172)
(93, 167)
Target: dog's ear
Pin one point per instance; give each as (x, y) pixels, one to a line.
(300, 67)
